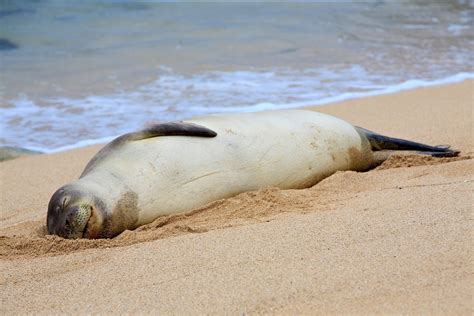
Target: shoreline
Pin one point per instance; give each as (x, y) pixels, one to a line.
(408, 85)
(391, 240)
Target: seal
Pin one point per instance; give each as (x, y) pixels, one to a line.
(176, 167)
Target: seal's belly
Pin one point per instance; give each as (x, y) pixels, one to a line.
(295, 149)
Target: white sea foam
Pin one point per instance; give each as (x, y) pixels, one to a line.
(407, 85)
(120, 107)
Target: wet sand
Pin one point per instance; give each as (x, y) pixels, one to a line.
(395, 239)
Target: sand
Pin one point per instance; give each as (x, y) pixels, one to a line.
(397, 239)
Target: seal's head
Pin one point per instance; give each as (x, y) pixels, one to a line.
(74, 213)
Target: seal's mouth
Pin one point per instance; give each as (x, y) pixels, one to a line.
(84, 231)
(93, 225)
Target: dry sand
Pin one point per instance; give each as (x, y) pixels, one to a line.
(394, 239)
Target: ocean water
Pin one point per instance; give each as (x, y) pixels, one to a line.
(74, 73)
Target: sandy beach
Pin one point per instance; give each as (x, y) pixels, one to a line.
(396, 239)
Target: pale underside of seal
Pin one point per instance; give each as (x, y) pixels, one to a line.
(176, 167)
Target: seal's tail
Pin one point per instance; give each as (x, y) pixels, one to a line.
(380, 142)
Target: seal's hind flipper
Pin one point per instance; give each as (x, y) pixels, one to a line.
(450, 153)
(156, 130)
(381, 142)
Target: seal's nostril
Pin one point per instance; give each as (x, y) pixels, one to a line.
(70, 217)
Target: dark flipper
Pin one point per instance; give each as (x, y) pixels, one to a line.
(164, 129)
(380, 142)
(168, 129)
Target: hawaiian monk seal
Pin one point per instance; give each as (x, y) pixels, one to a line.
(176, 167)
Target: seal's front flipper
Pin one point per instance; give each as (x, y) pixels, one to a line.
(381, 142)
(163, 129)
(156, 130)
(172, 129)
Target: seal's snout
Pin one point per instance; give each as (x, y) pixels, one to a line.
(75, 221)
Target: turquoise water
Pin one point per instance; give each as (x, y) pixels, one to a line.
(74, 73)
